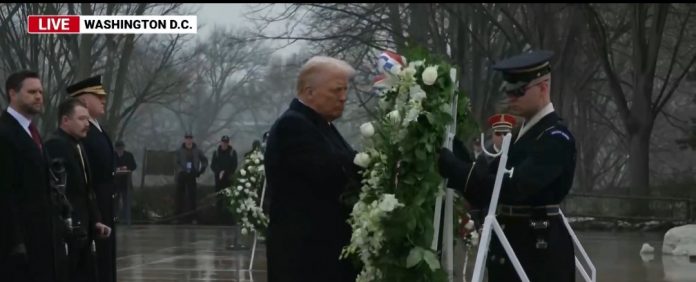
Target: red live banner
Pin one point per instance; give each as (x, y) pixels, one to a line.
(53, 24)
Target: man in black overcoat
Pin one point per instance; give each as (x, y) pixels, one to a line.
(64, 144)
(100, 154)
(32, 231)
(310, 171)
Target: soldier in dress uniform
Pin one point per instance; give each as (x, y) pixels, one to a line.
(543, 155)
(100, 154)
(499, 124)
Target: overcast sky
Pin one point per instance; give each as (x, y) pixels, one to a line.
(230, 16)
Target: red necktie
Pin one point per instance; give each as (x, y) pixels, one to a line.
(35, 135)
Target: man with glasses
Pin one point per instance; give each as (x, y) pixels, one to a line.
(543, 155)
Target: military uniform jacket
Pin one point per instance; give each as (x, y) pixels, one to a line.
(78, 186)
(544, 163)
(544, 166)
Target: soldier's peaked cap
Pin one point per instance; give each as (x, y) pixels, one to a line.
(525, 67)
(90, 85)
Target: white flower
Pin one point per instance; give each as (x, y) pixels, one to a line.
(394, 116)
(242, 172)
(417, 63)
(253, 179)
(362, 160)
(469, 225)
(367, 129)
(244, 231)
(417, 93)
(236, 193)
(409, 72)
(239, 188)
(256, 161)
(388, 203)
(248, 185)
(412, 115)
(430, 75)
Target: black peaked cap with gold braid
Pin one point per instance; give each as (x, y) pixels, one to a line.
(90, 85)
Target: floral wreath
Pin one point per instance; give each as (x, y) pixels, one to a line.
(242, 195)
(392, 221)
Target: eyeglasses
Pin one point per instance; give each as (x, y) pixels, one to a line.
(519, 92)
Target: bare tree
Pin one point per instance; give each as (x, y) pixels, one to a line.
(657, 64)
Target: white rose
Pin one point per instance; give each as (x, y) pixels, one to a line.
(244, 231)
(242, 172)
(253, 179)
(362, 160)
(394, 116)
(247, 185)
(430, 75)
(239, 188)
(256, 161)
(367, 129)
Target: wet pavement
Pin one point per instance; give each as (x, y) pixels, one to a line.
(199, 253)
(184, 253)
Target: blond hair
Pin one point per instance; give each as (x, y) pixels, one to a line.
(317, 66)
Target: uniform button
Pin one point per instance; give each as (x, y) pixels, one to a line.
(492, 257)
(502, 260)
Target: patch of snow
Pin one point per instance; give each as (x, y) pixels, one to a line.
(646, 249)
(680, 241)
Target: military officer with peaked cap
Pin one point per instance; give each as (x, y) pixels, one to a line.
(100, 154)
(543, 157)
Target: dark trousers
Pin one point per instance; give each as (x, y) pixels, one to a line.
(221, 204)
(83, 264)
(106, 248)
(186, 197)
(124, 186)
(556, 263)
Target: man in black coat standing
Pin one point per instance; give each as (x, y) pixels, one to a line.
(100, 154)
(64, 144)
(309, 169)
(32, 246)
(125, 165)
(223, 165)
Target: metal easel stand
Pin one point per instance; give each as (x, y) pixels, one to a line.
(256, 234)
(447, 236)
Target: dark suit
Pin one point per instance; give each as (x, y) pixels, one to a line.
(100, 153)
(83, 201)
(28, 214)
(544, 164)
(309, 169)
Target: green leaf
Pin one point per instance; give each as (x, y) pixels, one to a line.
(431, 260)
(414, 257)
